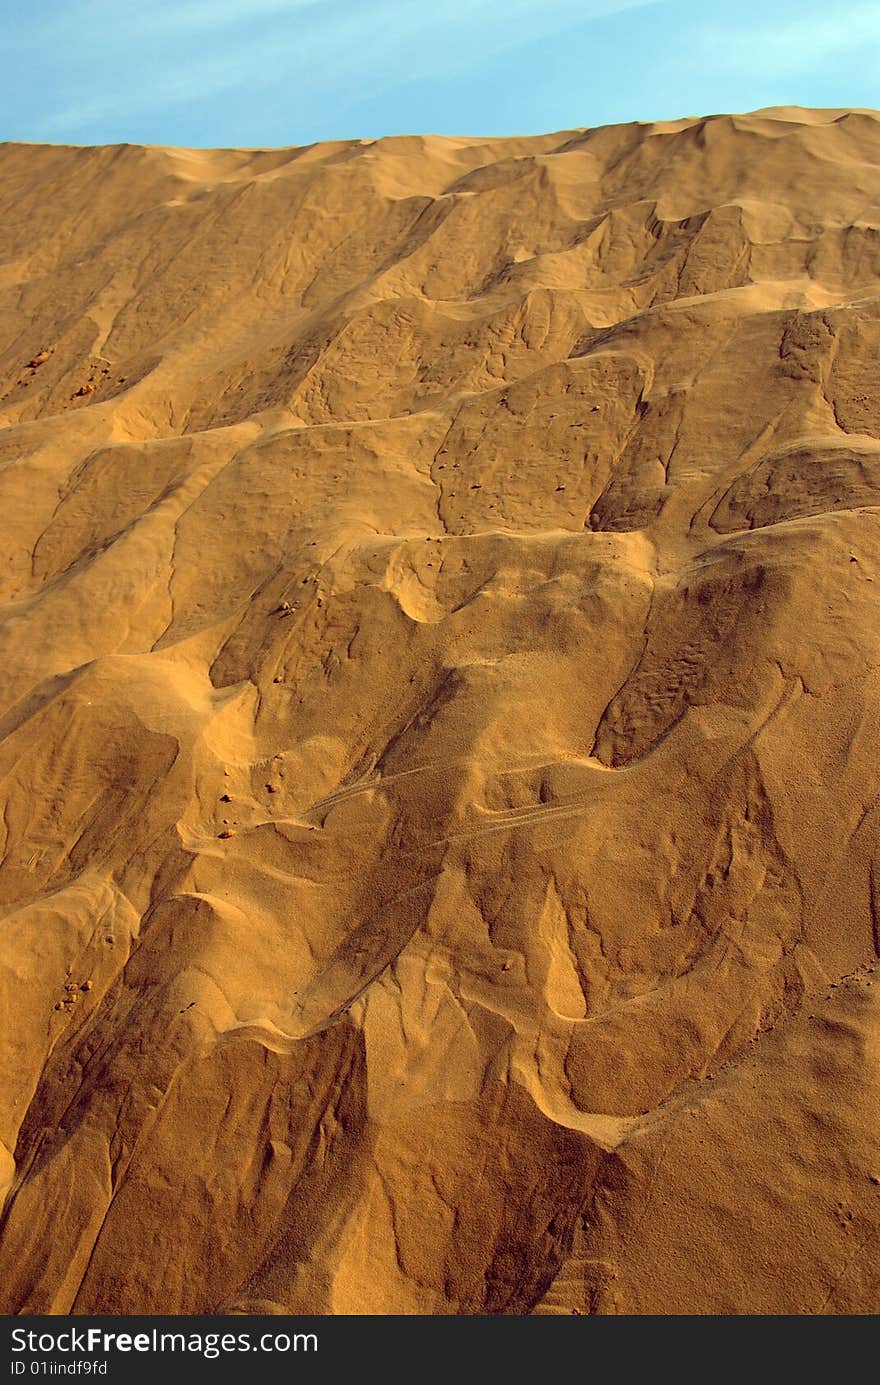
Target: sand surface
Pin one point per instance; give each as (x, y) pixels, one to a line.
(440, 666)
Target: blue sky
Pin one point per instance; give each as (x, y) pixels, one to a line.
(276, 72)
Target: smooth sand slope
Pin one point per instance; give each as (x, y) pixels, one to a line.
(440, 657)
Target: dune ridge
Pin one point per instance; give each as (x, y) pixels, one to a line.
(439, 648)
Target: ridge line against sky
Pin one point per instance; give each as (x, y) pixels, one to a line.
(255, 72)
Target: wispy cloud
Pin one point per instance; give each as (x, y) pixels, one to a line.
(240, 71)
(780, 45)
(113, 67)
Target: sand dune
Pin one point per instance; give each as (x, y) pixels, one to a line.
(440, 697)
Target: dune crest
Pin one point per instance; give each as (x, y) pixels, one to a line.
(439, 642)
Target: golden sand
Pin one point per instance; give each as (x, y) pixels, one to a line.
(440, 668)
